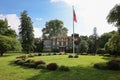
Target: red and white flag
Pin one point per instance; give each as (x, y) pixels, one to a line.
(74, 16)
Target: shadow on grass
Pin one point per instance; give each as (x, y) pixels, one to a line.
(11, 63)
(77, 73)
(110, 58)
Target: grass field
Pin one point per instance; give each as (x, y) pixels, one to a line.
(80, 69)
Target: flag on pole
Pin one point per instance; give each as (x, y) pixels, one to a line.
(74, 16)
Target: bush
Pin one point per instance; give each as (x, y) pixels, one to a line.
(76, 56)
(52, 66)
(102, 66)
(26, 64)
(39, 62)
(41, 66)
(64, 68)
(30, 55)
(21, 62)
(54, 54)
(114, 65)
(39, 54)
(70, 56)
(23, 57)
(48, 54)
(29, 61)
(100, 51)
(32, 65)
(60, 53)
(16, 61)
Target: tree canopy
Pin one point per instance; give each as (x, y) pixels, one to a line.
(104, 38)
(54, 28)
(114, 16)
(9, 44)
(26, 32)
(8, 41)
(38, 45)
(6, 30)
(83, 46)
(113, 45)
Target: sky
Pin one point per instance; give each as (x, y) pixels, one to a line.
(90, 14)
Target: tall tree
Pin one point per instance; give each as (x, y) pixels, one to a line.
(95, 38)
(54, 28)
(83, 46)
(26, 32)
(11, 33)
(8, 41)
(93, 42)
(114, 16)
(6, 30)
(38, 45)
(104, 38)
(3, 26)
(113, 45)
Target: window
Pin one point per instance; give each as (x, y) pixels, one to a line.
(53, 43)
(57, 43)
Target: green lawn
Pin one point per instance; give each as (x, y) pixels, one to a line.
(80, 69)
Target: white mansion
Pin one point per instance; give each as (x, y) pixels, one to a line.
(60, 43)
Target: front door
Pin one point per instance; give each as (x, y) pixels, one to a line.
(62, 49)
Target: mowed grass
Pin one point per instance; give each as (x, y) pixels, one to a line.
(80, 69)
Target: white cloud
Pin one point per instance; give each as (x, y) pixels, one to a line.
(38, 19)
(37, 32)
(92, 13)
(13, 21)
(69, 2)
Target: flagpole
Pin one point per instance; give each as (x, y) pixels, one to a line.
(73, 30)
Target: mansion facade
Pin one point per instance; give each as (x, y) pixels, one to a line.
(60, 43)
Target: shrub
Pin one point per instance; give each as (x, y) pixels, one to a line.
(100, 51)
(52, 66)
(114, 65)
(48, 54)
(39, 62)
(16, 61)
(64, 68)
(39, 54)
(23, 57)
(26, 64)
(60, 53)
(54, 54)
(30, 55)
(65, 53)
(70, 56)
(29, 61)
(21, 62)
(76, 56)
(41, 66)
(102, 66)
(32, 65)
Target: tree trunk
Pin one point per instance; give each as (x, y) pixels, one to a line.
(1, 54)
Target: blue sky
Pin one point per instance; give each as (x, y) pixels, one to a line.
(90, 14)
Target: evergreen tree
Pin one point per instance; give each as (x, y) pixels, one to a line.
(26, 32)
(3, 26)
